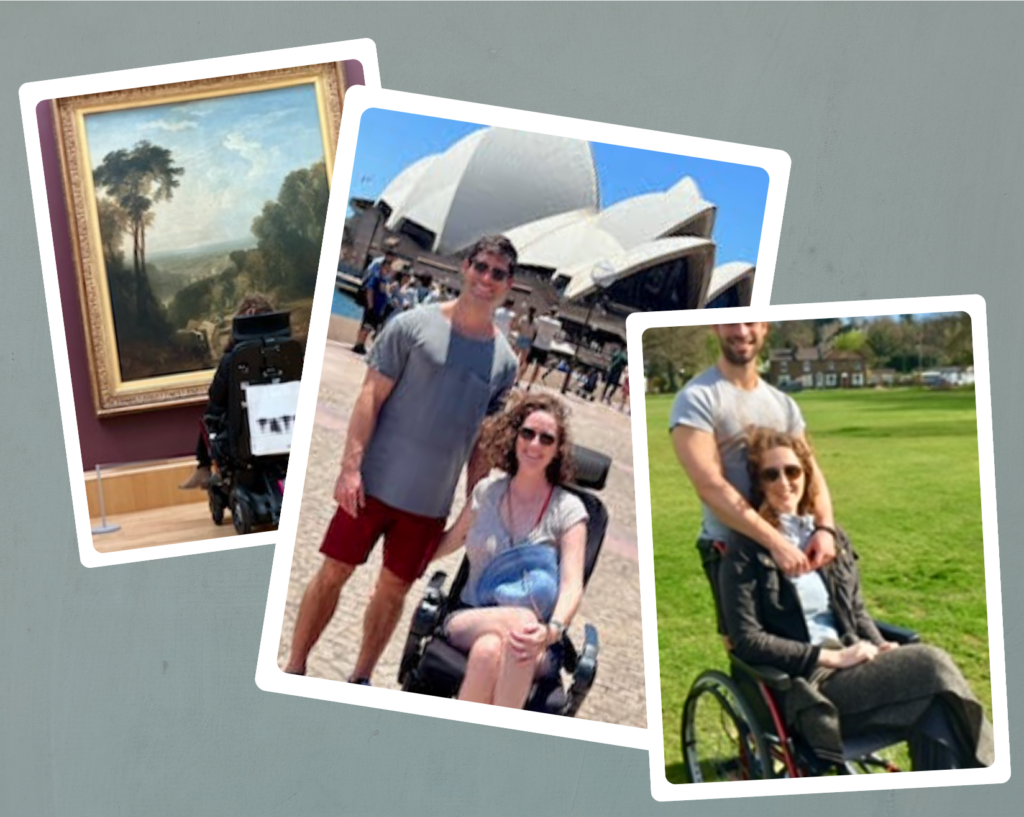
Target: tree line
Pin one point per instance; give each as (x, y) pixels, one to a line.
(905, 343)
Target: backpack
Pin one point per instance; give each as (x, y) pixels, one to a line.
(364, 295)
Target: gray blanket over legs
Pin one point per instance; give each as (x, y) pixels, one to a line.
(892, 692)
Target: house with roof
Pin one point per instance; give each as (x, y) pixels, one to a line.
(817, 367)
(948, 376)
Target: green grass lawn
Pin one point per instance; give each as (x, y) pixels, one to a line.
(902, 467)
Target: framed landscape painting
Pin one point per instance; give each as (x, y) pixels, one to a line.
(182, 199)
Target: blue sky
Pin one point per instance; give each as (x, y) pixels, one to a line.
(236, 151)
(389, 141)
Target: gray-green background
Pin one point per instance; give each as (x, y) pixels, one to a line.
(129, 690)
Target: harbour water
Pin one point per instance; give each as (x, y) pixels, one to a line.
(344, 306)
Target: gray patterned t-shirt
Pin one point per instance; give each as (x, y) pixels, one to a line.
(445, 385)
(711, 403)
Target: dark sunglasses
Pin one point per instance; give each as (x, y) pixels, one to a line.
(497, 274)
(528, 434)
(792, 472)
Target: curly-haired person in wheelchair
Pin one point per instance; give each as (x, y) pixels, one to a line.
(525, 539)
(815, 628)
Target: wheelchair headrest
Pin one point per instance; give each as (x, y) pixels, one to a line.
(591, 468)
(267, 325)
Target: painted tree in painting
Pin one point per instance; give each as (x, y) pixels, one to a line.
(136, 179)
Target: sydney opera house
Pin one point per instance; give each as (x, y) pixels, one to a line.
(650, 252)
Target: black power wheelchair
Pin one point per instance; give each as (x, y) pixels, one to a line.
(733, 728)
(432, 666)
(248, 479)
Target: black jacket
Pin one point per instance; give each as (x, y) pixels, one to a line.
(762, 611)
(217, 402)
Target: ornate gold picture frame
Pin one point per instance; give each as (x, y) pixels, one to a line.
(183, 198)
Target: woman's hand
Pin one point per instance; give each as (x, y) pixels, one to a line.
(348, 492)
(528, 642)
(885, 646)
(848, 656)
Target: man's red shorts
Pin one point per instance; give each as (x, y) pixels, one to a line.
(409, 540)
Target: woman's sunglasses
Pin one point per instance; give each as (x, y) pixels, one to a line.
(528, 434)
(792, 472)
(497, 274)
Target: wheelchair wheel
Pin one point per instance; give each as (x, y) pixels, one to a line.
(241, 516)
(721, 738)
(217, 508)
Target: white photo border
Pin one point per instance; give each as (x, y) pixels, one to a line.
(31, 94)
(269, 676)
(998, 772)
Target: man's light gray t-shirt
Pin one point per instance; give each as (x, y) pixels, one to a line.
(711, 403)
(445, 385)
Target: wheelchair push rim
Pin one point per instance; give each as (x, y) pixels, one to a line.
(721, 738)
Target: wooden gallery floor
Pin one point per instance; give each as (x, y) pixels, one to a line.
(161, 526)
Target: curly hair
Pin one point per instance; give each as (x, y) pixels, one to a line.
(759, 442)
(501, 432)
(255, 303)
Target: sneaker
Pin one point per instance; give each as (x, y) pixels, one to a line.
(200, 478)
(359, 349)
(360, 681)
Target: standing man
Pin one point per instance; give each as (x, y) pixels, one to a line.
(615, 367)
(503, 317)
(709, 422)
(434, 374)
(376, 291)
(526, 331)
(547, 327)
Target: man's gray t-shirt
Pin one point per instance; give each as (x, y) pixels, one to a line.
(711, 403)
(445, 384)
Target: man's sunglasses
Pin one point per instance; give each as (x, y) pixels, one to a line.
(528, 434)
(497, 274)
(792, 472)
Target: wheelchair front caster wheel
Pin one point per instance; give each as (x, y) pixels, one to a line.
(216, 509)
(241, 517)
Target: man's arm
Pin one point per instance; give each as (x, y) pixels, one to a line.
(348, 491)
(698, 454)
(476, 468)
(821, 549)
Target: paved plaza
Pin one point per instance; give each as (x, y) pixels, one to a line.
(612, 600)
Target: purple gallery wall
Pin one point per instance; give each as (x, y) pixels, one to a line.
(132, 437)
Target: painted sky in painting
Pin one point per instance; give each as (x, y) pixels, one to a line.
(235, 150)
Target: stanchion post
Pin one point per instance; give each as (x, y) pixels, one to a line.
(103, 527)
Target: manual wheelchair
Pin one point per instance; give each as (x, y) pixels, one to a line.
(250, 471)
(733, 728)
(432, 666)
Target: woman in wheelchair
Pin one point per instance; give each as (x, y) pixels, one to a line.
(816, 629)
(217, 401)
(525, 538)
